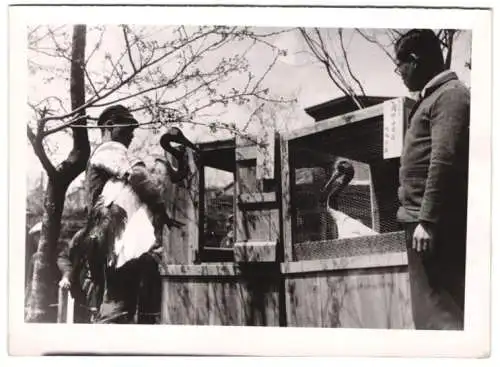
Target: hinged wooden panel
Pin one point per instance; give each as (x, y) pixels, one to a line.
(257, 210)
(180, 244)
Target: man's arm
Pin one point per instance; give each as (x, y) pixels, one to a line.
(147, 190)
(449, 124)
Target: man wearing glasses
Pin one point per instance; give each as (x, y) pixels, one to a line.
(433, 182)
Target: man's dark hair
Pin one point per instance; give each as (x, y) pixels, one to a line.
(424, 43)
(116, 114)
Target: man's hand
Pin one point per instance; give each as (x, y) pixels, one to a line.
(64, 283)
(423, 237)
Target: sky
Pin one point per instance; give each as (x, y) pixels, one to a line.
(295, 75)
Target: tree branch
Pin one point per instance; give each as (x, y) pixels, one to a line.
(344, 52)
(36, 143)
(129, 51)
(382, 47)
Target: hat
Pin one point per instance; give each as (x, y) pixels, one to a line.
(116, 114)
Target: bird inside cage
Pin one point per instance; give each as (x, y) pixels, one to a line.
(346, 226)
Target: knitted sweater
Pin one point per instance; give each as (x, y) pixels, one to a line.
(434, 163)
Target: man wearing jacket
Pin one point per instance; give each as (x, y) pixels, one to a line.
(113, 296)
(433, 182)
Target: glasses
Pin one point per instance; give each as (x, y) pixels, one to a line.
(401, 63)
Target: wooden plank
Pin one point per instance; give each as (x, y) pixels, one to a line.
(255, 251)
(257, 197)
(348, 118)
(226, 303)
(254, 225)
(348, 299)
(401, 296)
(198, 270)
(260, 300)
(286, 207)
(246, 153)
(265, 155)
(274, 225)
(374, 207)
(202, 302)
(180, 244)
(303, 306)
(177, 302)
(396, 259)
(246, 179)
(272, 306)
(216, 145)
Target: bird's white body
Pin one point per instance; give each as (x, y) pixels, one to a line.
(139, 234)
(348, 227)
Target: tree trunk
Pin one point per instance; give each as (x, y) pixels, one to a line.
(45, 273)
(449, 45)
(43, 286)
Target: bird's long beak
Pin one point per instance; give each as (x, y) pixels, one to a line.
(332, 179)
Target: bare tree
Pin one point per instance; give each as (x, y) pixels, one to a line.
(168, 75)
(328, 47)
(59, 179)
(386, 40)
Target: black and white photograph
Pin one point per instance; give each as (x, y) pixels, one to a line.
(228, 171)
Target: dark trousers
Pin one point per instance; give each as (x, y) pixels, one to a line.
(132, 290)
(437, 279)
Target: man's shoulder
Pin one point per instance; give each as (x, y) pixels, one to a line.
(454, 87)
(108, 152)
(109, 147)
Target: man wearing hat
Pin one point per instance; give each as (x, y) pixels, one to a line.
(114, 290)
(433, 182)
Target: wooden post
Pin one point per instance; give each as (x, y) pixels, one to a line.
(62, 304)
(257, 211)
(286, 208)
(182, 198)
(65, 307)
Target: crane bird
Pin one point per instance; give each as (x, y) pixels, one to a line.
(347, 227)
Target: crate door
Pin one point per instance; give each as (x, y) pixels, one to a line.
(257, 210)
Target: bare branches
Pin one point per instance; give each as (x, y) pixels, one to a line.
(169, 94)
(375, 41)
(344, 52)
(129, 51)
(319, 49)
(36, 141)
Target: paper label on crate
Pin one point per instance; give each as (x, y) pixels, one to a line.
(393, 128)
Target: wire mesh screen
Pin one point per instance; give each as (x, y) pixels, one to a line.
(314, 218)
(219, 201)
